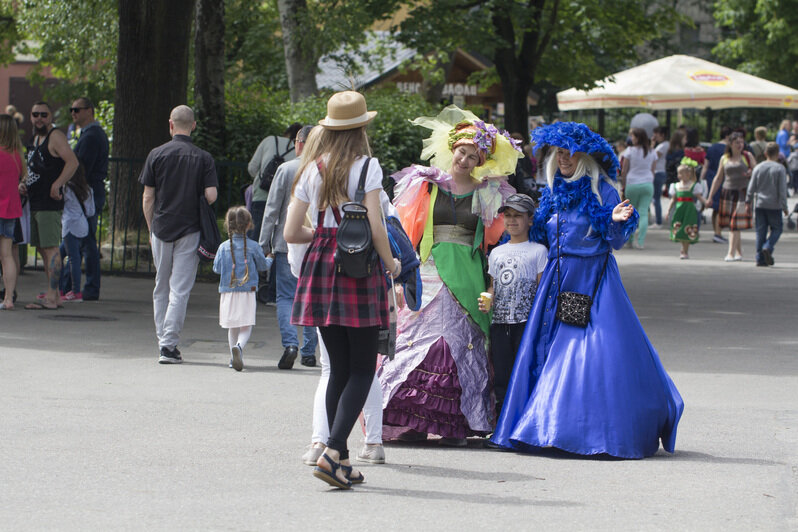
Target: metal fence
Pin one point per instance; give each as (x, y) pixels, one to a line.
(125, 245)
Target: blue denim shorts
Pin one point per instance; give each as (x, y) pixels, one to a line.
(7, 227)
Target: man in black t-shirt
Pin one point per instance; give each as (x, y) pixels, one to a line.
(176, 176)
(51, 164)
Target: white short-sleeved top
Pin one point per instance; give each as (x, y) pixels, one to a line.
(309, 186)
(661, 150)
(514, 269)
(639, 165)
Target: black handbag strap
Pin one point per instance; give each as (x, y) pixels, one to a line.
(289, 147)
(360, 193)
(603, 268)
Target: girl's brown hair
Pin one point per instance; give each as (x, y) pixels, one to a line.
(236, 222)
(734, 136)
(78, 184)
(311, 151)
(676, 142)
(641, 137)
(342, 148)
(9, 135)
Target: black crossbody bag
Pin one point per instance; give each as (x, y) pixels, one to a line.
(355, 255)
(573, 308)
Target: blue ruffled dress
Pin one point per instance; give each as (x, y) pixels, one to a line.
(594, 390)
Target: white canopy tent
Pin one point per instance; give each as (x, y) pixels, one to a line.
(681, 82)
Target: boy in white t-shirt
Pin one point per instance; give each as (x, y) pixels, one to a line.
(515, 268)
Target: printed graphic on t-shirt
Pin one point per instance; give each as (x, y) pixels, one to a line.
(514, 268)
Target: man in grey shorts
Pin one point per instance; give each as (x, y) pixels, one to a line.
(51, 163)
(174, 175)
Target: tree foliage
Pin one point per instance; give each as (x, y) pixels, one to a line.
(77, 39)
(533, 43)
(759, 37)
(9, 31)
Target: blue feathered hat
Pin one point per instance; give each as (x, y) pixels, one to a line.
(576, 137)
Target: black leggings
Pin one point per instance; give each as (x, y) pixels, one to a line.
(353, 359)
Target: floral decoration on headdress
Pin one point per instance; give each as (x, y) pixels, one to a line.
(576, 137)
(498, 152)
(687, 161)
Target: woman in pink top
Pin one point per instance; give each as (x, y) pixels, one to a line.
(11, 173)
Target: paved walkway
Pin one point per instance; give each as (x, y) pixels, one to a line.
(95, 435)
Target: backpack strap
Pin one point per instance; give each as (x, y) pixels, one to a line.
(361, 185)
(290, 146)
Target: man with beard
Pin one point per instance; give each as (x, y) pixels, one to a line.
(51, 164)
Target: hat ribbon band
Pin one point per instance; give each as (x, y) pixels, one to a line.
(347, 121)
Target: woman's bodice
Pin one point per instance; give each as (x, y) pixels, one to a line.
(453, 209)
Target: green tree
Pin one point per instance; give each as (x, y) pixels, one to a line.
(759, 37)
(313, 28)
(9, 31)
(77, 39)
(537, 43)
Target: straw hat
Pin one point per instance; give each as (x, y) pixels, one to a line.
(347, 110)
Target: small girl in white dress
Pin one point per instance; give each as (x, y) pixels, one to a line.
(238, 283)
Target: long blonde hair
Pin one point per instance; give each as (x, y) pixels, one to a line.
(585, 165)
(237, 221)
(311, 151)
(339, 149)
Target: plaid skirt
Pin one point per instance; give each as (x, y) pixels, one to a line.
(728, 214)
(325, 297)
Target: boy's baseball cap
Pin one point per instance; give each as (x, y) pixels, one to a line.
(520, 203)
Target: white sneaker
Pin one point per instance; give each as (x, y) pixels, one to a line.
(373, 454)
(312, 455)
(237, 362)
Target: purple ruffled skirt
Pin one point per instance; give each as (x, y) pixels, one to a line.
(440, 380)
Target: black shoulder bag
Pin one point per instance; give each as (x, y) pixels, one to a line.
(355, 255)
(573, 308)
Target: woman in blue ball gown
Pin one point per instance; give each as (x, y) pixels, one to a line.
(599, 389)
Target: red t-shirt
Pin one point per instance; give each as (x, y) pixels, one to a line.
(10, 167)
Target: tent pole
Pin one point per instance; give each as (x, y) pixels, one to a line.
(601, 122)
(668, 120)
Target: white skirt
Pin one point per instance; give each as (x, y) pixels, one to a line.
(237, 309)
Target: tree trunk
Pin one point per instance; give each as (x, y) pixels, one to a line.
(209, 76)
(516, 75)
(301, 60)
(433, 92)
(516, 106)
(151, 79)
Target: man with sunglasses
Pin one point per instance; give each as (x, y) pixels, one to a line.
(92, 152)
(51, 164)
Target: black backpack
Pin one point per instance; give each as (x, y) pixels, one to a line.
(355, 255)
(267, 176)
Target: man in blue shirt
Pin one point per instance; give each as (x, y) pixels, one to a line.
(92, 152)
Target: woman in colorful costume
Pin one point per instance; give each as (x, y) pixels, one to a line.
(439, 381)
(600, 389)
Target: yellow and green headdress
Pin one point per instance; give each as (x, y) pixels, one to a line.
(453, 127)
